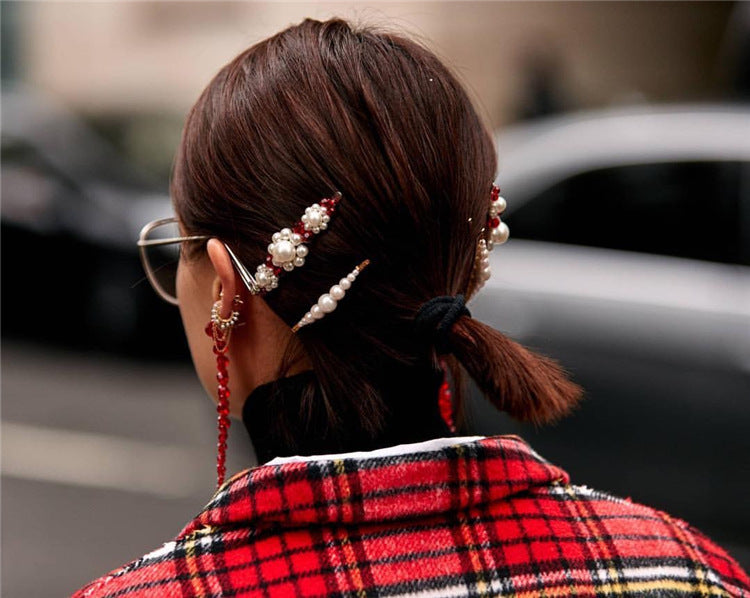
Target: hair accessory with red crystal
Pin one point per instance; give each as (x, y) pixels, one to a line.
(287, 249)
(499, 233)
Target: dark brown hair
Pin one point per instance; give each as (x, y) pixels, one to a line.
(326, 106)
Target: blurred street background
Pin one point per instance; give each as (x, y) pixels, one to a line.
(623, 132)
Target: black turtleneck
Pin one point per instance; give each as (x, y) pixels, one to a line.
(273, 418)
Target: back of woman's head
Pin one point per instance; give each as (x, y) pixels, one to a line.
(327, 106)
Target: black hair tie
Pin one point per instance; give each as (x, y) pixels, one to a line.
(436, 317)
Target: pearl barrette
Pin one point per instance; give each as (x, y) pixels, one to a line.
(499, 233)
(481, 265)
(327, 302)
(287, 249)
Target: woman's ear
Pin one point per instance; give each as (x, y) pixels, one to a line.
(226, 278)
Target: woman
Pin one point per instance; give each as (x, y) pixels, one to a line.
(334, 198)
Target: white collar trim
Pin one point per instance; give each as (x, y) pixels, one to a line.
(398, 449)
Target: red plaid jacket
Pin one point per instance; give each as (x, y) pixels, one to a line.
(452, 517)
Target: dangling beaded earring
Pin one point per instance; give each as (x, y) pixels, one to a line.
(445, 399)
(220, 329)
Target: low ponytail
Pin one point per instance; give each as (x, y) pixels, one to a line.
(526, 385)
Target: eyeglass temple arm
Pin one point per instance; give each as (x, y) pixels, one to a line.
(169, 240)
(247, 278)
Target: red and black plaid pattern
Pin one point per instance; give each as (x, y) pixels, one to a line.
(480, 517)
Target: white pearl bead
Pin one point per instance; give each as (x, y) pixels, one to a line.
(271, 248)
(261, 278)
(345, 284)
(286, 232)
(288, 266)
(296, 239)
(283, 251)
(276, 237)
(299, 261)
(316, 312)
(500, 204)
(350, 277)
(302, 250)
(337, 292)
(313, 218)
(327, 303)
(500, 234)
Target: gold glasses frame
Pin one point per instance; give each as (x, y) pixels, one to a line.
(144, 242)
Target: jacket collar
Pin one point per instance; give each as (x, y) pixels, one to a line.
(401, 482)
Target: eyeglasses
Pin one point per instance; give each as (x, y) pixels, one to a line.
(160, 245)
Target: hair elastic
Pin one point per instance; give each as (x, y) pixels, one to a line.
(437, 316)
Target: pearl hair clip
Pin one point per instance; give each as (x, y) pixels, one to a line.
(499, 233)
(287, 249)
(327, 302)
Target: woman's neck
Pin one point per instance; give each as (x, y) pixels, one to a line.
(275, 416)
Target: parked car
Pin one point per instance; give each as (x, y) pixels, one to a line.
(629, 262)
(71, 212)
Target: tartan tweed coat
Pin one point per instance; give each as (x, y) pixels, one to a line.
(450, 517)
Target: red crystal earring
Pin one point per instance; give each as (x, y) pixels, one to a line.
(445, 399)
(220, 329)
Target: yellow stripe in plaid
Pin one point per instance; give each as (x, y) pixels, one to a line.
(193, 570)
(693, 556)
(350, 559)
(595, 540)
(465, 529)
(633, 588)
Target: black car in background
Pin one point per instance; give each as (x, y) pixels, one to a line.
(72, 208)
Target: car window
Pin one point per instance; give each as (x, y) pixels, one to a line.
(687, 209)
